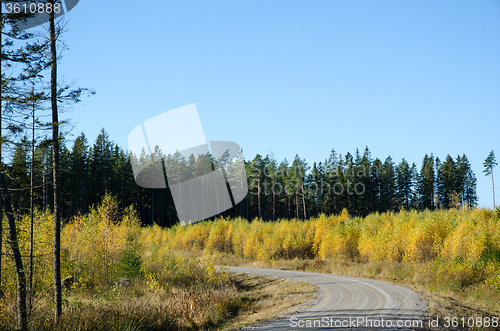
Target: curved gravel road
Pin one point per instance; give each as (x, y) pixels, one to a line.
(348, 303)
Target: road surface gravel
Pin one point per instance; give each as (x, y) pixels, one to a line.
(348, 303)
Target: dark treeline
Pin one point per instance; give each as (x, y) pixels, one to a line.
(358, 183)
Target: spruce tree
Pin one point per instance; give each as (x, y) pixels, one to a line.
(466, 182)
(79, 172)
(426, 184)
(387, 185)
(404, 184)
(447, 182)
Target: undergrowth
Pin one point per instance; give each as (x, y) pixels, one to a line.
(455, 251)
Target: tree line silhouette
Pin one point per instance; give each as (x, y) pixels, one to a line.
(356, 182)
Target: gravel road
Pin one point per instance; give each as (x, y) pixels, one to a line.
(348, 303)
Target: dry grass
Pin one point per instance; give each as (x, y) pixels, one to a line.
(138, 307)
(268, 298)
(141, 305)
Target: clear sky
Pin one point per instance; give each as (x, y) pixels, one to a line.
(404, 78)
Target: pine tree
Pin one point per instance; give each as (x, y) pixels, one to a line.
(55, 171)
(256, 177)
(296, 180)
(283, 197)
(272, 183)
(489, 164)
(347, 180)
(266, 194)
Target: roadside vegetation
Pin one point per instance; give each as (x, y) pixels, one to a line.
(120, 276)
(451, 255)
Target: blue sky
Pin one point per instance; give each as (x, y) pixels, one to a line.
(404, 78)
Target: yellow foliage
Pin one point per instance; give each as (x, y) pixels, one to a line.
(463, 243)
(220, 237)
(389, 237)
(93, 244)
(340, 242)
(471, 237)
(42, 251)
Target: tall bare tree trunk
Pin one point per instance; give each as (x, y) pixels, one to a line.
(22, 316)
(274, 205)
(297, 204)
(258, 196)
(44, 188)
(289, 204)
(304, 201)
(30, 283)
(1, 113)
(493, 185)
(55, 164)
(241, 202)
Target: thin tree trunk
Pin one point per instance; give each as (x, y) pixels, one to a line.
(258, 197)
(247, 206)
(297, 205)
(274, 206)
(289, 204)
(30, 286)
(1, 200)
(493, 183)
(55, 162)
(22, 316)
(44, 189)
(304, 201)
(268, 208)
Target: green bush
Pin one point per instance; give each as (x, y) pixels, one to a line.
(130, 264)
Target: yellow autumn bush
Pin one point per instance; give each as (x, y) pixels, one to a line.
(475, 236)
(93, 244)
(383, 237)
(425, 237)
(340, 242)
(220, 237)
(411, 236)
